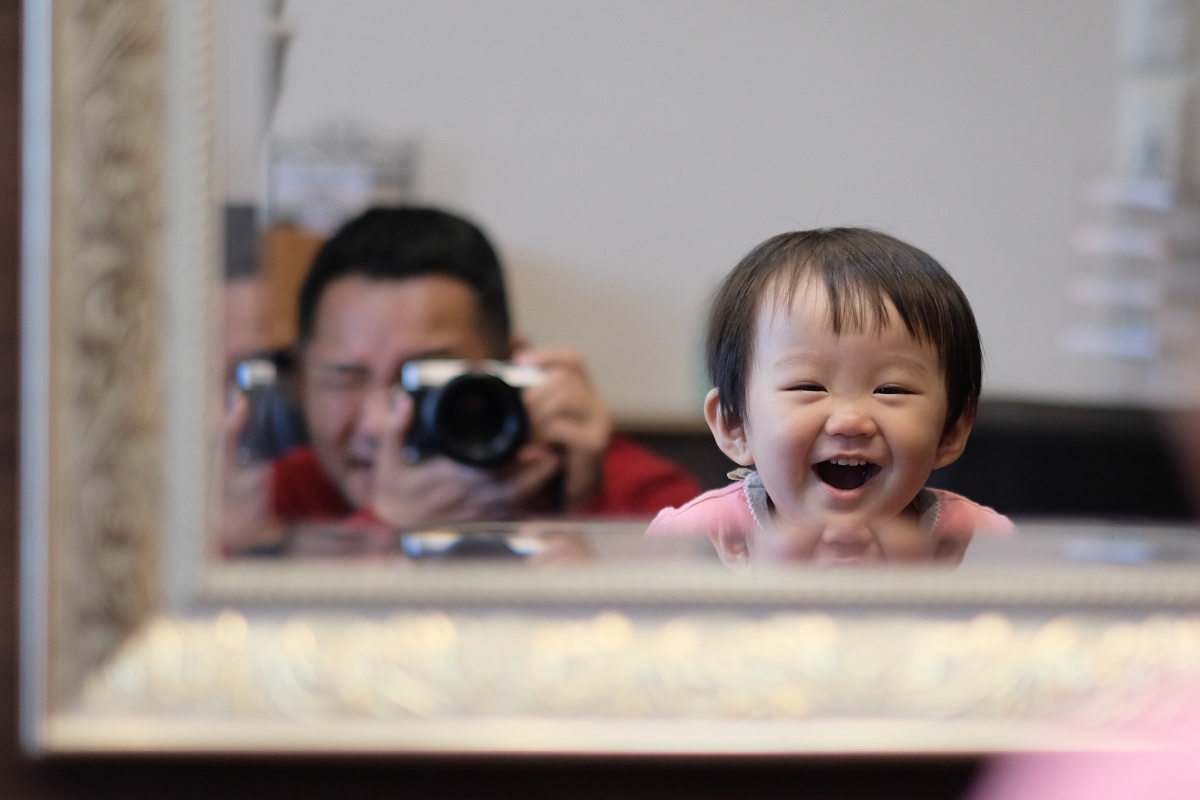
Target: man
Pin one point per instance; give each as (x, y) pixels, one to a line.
(397, 285)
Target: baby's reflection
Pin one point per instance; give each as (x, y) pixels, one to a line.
(847, 367)
(936, 529)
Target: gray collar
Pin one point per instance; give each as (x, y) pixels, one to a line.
(926, 503)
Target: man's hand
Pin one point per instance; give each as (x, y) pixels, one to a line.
(568, 414)
(246, 519)
(437, 489)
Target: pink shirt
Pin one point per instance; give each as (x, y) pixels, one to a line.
(731, 510)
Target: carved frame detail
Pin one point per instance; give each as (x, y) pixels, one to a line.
(267, 662)
(106, 348)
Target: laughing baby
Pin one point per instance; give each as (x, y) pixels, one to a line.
(846, 367)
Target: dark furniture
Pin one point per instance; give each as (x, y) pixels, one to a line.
(1027, 458)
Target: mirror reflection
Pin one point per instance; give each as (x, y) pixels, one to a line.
(481, 290)
(846, 367)
(420, 404)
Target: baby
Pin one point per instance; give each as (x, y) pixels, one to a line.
(847, 367)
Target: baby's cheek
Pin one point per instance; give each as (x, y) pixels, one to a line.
(787, 494)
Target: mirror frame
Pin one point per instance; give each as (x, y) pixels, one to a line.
(130, 644)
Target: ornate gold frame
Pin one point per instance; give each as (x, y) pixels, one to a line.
(131, 644)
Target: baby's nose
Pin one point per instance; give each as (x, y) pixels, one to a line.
(849, 419)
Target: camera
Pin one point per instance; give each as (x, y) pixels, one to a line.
(469, 411)
(273, 423)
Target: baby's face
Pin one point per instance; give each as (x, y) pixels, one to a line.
(844, 430)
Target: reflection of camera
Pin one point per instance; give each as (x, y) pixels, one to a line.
(469, 411)
(447, 546)
(273, 425)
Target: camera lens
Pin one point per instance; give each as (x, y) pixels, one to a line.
(479, 420)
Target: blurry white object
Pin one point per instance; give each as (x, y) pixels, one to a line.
(1122, 341)
(318, 182)
(1153, 33)
(1135, 244)
(1119, 291)
(1150, 122)
(1120, 240)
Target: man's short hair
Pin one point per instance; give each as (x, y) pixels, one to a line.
(861, 270)
(396, 243)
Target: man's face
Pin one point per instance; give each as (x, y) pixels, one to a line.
(364, 331)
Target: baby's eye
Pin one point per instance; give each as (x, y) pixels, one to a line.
(807, 387)
(892, 390)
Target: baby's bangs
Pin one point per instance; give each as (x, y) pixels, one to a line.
(856, 305)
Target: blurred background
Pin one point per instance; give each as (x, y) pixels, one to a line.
(624, 156)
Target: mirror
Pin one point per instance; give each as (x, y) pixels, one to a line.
(696, 140)
(636, 152)
(131, 643)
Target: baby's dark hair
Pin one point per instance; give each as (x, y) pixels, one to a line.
(862, 270)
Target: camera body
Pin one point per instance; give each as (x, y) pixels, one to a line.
(273, 422)
(470, 411)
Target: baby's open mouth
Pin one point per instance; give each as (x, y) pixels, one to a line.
(845, 473)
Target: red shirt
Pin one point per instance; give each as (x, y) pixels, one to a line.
(636, 483)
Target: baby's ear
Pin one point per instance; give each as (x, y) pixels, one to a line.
(731, 440)
(954, 441)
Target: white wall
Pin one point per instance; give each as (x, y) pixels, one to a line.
(240, 87)
(625, 154)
